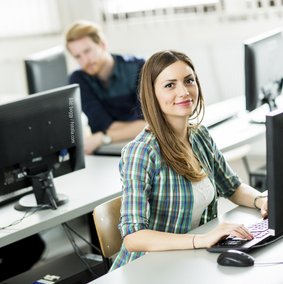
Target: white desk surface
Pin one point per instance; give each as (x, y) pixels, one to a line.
(200, 266)
(228, 135)
(86, 188)
(236, 132)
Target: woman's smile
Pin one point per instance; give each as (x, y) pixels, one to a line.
(188, 102)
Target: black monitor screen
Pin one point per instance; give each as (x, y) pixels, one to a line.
(46, 70)
(274, 139)
(41, 138)
(263, 69)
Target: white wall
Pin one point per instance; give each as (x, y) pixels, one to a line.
(215, 47)
(14, 49)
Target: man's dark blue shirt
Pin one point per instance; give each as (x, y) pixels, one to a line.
(118, 101)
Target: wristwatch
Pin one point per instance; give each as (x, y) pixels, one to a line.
(106, 139)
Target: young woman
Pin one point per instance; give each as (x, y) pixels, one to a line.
(172, 172)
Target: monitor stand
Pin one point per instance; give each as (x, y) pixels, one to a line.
(29, 202)
(44, 196)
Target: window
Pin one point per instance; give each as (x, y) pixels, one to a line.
(28, 17)
(124, 9)
(225, 9)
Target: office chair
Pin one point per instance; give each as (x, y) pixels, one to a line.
(46, 70)
(106, 218)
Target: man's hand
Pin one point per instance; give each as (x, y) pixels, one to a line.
(92, 142)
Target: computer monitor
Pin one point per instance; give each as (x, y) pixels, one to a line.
(274, 167)
(263, 62)
(41, 138)
(46, 70)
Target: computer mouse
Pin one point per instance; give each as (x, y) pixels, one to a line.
(235, 258)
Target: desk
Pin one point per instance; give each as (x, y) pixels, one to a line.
(113, 149)
(236, 132)
(86, 188)
(228, 135)
(200, 266)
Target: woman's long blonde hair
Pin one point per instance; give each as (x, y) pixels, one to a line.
(173, 150)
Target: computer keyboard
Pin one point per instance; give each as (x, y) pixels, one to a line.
(259, 230)
(258, 120)
(221, 120)
(230, 242)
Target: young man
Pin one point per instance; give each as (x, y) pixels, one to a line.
(108, 84)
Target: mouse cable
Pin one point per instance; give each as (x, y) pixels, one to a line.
(267, 263)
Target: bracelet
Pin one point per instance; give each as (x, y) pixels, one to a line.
(194, 241)
(256, 198)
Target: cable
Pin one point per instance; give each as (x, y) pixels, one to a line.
(78, 251)
(81, 237)
(53, 205)
(273, 262)
(28, 213)
(68, 230)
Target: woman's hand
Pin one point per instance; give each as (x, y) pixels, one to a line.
(222, 231)
(263, 208)
(260, 202)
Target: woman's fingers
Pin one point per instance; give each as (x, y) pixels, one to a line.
(263, 211)
(224, 230)
(242, 232)
(237, 230)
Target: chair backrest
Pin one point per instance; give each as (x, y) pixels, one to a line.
(46, 70)
(106, 218)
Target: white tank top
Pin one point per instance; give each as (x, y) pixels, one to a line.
(203, 195)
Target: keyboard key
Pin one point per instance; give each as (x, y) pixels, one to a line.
(259, 227)
(229, 242)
